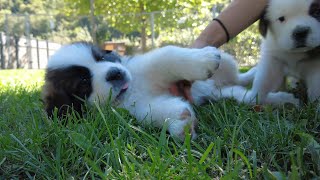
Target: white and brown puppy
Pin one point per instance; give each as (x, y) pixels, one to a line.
(291, 31)
(80, 72)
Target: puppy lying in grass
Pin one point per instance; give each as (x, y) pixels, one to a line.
(81, 73)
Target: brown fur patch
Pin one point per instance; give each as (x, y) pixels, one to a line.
(263, 24)
(66, 89)
(314, 10)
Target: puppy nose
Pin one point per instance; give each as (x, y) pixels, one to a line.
(300, 33)
(115, 74)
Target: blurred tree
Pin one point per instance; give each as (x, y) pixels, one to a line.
(174, 22)
(17, 12)
(48, 19)
(134, 15)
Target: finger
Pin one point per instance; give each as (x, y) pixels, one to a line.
(186, 83)
(173, 89)
(180, 88)
(187, 94)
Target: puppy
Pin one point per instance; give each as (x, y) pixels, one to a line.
(81, 73)
(291, 31)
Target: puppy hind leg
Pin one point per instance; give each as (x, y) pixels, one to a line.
(246, 78)
(177, 113)
(203, 91)
(242, 95)
(238, 93)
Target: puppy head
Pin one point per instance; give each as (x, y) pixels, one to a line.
(80, 73)
(294, 25)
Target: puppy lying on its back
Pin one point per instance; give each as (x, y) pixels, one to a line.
(81, 72)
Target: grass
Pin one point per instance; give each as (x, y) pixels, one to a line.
(235, 142)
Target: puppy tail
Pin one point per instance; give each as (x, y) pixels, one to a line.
(247, 78)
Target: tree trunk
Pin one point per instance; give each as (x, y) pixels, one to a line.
(93, 23)
(144, 37)
(16, 44)
(143, 28)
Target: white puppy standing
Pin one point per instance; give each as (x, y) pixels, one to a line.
(291, 30)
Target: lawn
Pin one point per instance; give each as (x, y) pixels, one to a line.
(234, 142)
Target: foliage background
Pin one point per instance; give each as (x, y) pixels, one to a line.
(141, 24)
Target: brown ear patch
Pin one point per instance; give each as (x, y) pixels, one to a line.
(66, 89)
(314, 10)
(55, 98)
(263, 24)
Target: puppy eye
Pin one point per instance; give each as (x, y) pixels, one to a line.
(315, 10)
(84, 80)
(282, 19)
(316, 13)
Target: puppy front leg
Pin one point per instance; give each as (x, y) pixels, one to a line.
(268, 78)
(313, 86)
(170, 64)
(156, 112)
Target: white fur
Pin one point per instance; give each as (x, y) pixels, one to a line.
(280, 57)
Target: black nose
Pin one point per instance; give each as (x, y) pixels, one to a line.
(300, 33)
(115, 74)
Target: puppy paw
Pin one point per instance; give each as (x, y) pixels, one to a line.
(207, 62)
(281, 98)
(185, 124)
(290, 98)
(210, 57)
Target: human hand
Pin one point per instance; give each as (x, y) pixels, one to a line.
(182, 88)
(199, 43)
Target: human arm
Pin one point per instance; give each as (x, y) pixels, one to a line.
(238, 15)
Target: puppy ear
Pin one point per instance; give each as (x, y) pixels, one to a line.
(57, 98)
(263, 25)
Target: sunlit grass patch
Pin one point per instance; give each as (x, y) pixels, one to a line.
(27, 79)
